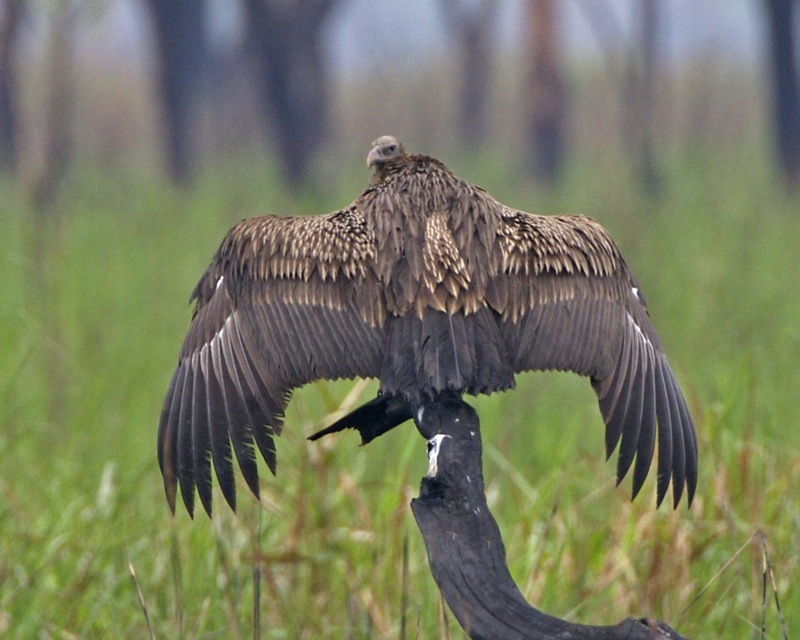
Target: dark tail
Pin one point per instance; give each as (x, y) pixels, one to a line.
(372, 419)
(445, 352)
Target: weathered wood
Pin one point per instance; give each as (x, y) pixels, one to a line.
(465, 549)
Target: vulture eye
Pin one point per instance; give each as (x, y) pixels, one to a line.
(391, 149)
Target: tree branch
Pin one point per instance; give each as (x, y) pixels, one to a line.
(465, 549)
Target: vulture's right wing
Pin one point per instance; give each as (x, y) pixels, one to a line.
(569, 303)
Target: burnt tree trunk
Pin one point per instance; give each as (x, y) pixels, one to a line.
(471, 24)
(782, 22)
(10, 19)
(465, 550)
(634, 69)
(60, 104)
(286, 39)
(545, 102)
(642, 98)
(181, 53)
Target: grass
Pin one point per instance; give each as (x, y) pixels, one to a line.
(92, 315)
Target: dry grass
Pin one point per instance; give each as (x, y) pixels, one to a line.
(332, 550)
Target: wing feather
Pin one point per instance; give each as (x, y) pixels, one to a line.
(664, 435)
(201, 438)
(277, 308)
(678, 447)
(581, 311)
(168, 437)
(690, 443)
(617, 402)
(219, 417)
(430, 285)
(222, 456)
(647, 431)
(185, 456)
(246, 415)
(632, 421)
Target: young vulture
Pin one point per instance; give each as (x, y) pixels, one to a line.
(429, 284)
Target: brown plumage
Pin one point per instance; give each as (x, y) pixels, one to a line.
(429, 284)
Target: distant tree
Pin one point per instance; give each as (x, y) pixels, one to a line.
(545, 100)
(286, 40)
(10, 19)
(641, 96)
(59, 107)
(179, 27)
(636, 75)
(782, 28)
(46, 240)
(471, 23)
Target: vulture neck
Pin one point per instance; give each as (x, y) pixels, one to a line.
(406, 166)
(436, 234)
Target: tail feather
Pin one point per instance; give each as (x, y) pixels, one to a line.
(445, 352)
(372, 419)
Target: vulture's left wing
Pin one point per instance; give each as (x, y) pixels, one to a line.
(285, 301)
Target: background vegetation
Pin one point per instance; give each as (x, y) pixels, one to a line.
(92, 313)
(85, 366)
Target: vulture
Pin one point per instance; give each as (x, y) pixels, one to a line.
(432, 286)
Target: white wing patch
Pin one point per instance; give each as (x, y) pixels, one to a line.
(639, 332)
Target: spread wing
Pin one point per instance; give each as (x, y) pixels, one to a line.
(285, 301)
(568, 302)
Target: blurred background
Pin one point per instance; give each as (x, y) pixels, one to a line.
(181, 84)
(134, 133)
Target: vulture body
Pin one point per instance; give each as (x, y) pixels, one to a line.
(430, 285)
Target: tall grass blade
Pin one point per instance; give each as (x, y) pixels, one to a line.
(767, 570)
(139, 594)
(404, 597)
(177, 581)
(716, 576)
(257, 581)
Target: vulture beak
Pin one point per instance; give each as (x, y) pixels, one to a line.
(374, 157)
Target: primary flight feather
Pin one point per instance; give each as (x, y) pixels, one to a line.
(429, 284)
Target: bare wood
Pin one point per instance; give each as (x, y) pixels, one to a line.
(465, 549)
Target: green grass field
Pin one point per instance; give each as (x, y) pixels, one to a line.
(92, 314)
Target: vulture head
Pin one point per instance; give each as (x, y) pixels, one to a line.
(384, 150)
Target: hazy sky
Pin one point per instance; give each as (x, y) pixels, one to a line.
(365, 35)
